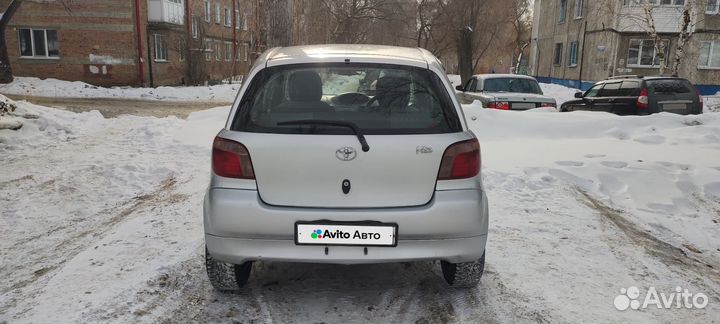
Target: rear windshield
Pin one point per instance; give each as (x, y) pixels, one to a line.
(670, 86)
(519, 85)
(380, 99)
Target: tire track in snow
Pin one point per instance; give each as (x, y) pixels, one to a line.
(672, 256)
(78, 242)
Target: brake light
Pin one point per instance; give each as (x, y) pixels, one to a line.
(460, 160)
(504, 105)
(231, 159)
(547, 104)
(642, 100)
(700, 98)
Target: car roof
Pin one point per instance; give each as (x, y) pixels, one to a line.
(501, 75)
(358, 52)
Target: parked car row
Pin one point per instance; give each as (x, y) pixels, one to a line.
(622, 95)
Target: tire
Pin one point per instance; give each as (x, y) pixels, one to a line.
(463, 275)
(225, 276)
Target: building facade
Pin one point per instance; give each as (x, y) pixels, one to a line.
(578, 42)
(131, 42)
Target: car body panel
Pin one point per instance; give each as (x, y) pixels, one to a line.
(304, 171)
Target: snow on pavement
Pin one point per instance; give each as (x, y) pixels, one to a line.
(101, 220)
(30, 86)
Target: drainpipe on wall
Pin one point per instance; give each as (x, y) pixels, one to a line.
(582, 56)
(188, 42)
(138, 32)
(235, 42)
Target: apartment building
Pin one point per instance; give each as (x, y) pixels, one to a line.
(131, 42)
(578, 42)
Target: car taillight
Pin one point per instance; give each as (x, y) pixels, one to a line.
(460, 160)
(231, 159)
(642, 100)
(504, 105)
(700, 98)
(547, 104)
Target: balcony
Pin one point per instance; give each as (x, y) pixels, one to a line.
(166, 11)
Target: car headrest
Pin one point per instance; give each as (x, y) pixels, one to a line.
(305, 86)
(392, 90)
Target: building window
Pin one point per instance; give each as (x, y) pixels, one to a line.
(563, 9)
(578, 8)
(244, 21)
(557, 57)
(641, 53)
(38, 43)
(181, 50)
(228, 18)
(218, 19)
(207, 11)
(218, 51)
(572, 54)
(208, 50)
(160, 48)
(237, 19)
(713, 7)
(194, 24)
(709, 55)
(228, 51)
(246, 51)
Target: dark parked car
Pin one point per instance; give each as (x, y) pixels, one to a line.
(637, 95)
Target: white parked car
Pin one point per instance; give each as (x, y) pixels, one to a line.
(314, 165)
(505, 91)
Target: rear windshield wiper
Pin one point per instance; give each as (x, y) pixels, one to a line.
(353, 126)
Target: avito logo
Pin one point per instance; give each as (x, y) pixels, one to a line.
(338, 234)
(317, 234)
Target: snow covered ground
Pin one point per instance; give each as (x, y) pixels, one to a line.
(29, 86)
(101, 222)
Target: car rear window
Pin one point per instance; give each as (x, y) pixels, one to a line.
(380, 99)
(520, 85)
(670, 86)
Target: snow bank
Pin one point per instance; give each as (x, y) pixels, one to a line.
(75, 89)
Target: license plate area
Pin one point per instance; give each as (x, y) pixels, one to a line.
(522, 105)
(346, 233)
(674, 107)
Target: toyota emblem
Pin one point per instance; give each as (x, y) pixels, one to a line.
(346, 153)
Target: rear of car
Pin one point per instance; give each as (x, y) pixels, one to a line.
(639, 96)
(506, 92)
(345, 156)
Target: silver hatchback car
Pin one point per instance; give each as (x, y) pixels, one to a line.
(345, 154)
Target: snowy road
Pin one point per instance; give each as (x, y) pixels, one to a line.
(101, 222)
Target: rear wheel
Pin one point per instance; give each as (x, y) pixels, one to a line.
(226, 276)
(463, 275)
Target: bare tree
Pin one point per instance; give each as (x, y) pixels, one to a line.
(352, 18)
(6, 74)
(645, 20)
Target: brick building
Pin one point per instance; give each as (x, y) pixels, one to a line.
(131, 42)
(577, 42)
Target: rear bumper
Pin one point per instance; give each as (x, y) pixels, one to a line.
(237, 251)
(239, 227)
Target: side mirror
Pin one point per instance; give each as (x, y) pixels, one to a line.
(578, 95)
(460, 88)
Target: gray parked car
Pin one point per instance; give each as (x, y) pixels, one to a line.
(505, 91)
(312, 166)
